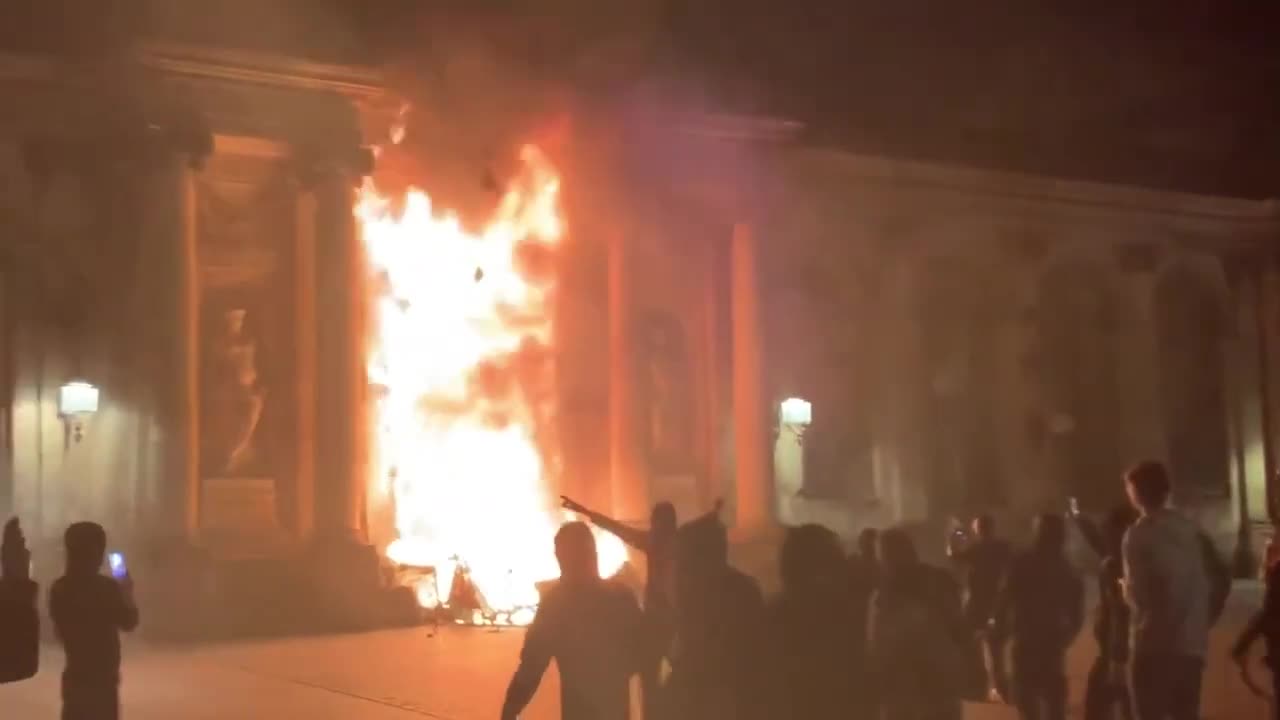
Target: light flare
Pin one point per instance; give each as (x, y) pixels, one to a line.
(461, 368)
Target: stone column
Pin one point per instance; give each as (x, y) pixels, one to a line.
(628, 489)
(754, 508)
(304, 254)
(711, 418)
(1244, 562)
(340, 381)
(1263, 295)
(172, 289)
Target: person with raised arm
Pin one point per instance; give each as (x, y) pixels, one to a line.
(19, 620)
(658, 545)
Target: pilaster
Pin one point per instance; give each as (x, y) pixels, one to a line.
(754, 506)
(339, 398)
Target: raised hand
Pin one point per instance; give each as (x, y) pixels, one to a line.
(571, 505)
(15, 558)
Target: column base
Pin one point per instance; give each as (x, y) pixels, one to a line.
(1244, 562)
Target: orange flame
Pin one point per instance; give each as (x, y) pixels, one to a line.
(462, 373)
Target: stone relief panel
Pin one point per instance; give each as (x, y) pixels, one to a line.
(247, 409)
(235, 393)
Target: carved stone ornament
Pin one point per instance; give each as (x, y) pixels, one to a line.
(239, 395)
(1137, 258)
(1240, 267)
(145, 143)
(243, 228)
(312, 164)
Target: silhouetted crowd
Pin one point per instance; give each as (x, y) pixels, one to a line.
(89, 610)
(881, 634)
(877, 635)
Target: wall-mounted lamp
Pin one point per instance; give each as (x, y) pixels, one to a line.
(77, 401)
(795, 414)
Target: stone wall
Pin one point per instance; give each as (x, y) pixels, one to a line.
(979, 341)
(77, 306)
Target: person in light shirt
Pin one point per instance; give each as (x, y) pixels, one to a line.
(1167, 586)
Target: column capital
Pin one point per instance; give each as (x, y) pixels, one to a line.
(1138, 258)
(315, 164)
(145, 147)
(1243, 267)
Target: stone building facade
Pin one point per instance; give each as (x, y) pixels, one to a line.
(986, 341)
(178, 230)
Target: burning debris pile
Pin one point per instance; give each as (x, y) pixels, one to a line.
(461, 368)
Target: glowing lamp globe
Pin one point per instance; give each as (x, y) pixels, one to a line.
(77, 399)
(795, 411)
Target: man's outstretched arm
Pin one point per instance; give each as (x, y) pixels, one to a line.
(636, 538)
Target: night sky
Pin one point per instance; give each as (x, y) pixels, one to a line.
(1172, 94)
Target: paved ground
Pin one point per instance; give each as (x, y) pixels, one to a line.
(392, 675)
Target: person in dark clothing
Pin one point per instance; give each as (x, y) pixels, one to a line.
(1106, 690)
(918, 664)
(814, 642)
(658, 545)
(864, 558)
(1264, 624)
(864, 578)
(716, 661)
(864, 568)
(89, 611)
(591, 627)
(1041, 608)
(983, 559)
(19, 621)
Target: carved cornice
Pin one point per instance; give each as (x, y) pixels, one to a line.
(1138, 258)
(262, 69)
(1011, 189)
(131, 148)
(1240, 268)
(757, 128)
(314, 165)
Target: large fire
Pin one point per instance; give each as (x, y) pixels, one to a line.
(463, 379)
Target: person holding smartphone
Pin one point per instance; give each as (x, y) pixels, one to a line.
(19, 621)
(89, 611)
